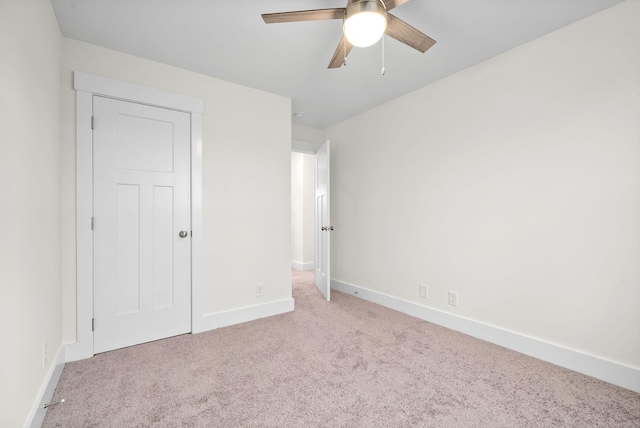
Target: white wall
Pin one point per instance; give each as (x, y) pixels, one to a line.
(308, 209)
(302, 210)
(515, 183)
(297, 214)
(30, 45)
(246, 180)
(307, 133)
(303, 203)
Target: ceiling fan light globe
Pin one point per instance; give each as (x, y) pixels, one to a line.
(365, 22)
(365, 28)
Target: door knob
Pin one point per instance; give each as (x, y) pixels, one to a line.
(323, 228)
(183, 234)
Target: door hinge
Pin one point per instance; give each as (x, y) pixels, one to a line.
(91, 223)
(91, 122)
(93, 324)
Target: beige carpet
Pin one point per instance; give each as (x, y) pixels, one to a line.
(347, 363)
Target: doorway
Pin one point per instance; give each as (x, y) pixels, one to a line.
(311, 193)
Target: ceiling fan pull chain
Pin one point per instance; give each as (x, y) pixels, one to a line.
(382, 71)
(344, 50)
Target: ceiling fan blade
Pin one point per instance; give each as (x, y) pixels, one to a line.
(343, 49)
(405, 33)
(390, 4)
(304, 15)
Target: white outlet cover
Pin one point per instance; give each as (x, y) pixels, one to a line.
(453, 298)
(424, 291)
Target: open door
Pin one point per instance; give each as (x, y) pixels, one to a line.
(323, 226)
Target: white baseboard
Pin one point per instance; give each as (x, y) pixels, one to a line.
(302, 265)
(38, 412)
(76, 351)
(237, 316)
(599, 368)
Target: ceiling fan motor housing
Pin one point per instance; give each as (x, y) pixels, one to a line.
(357, 6)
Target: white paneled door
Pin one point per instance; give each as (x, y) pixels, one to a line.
(142, 233)
(323, 223)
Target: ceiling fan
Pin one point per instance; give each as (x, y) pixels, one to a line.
(365, 21)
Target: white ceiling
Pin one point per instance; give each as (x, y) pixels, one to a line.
(228, 40)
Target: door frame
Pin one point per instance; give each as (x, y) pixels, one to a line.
(86, 86)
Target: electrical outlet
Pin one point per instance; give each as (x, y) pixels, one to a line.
(260, 290)
(44, 354)
(453, 298)
(424, 291)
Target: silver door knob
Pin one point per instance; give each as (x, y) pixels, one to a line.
(183, 234)
(323, 228)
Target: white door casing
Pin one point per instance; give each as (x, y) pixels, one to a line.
(142, 270)
(86, 86)
(323, 228)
